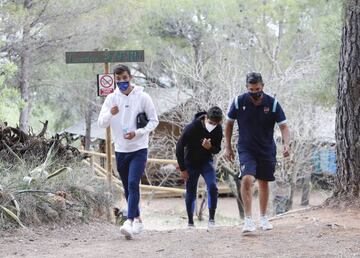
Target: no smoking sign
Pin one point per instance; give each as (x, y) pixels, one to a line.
(106, 84)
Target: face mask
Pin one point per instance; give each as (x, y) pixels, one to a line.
(123, 86)
(209, 127)
(256, 95)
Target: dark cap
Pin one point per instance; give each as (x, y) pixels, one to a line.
(253, 78)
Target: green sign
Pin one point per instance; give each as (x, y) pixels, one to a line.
(104, 56)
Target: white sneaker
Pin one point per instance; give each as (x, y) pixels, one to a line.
(249, 225)
(211, 224)
(190, 226)
(126, 229)
(137, 227)
(265, 224)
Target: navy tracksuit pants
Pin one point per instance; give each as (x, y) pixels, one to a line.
(207, 170)
(131, 166)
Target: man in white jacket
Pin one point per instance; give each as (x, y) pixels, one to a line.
(120, 111)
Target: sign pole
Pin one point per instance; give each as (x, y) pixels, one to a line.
(109, 159)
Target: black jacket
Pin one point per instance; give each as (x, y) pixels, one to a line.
(189, 149)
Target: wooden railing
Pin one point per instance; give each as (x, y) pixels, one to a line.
(172, 191)
(151, 160)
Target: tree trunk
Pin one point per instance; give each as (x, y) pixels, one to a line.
(237, 191)
(348, 107)
(88, 119)
(24, 74)
(305, 196)
(197, 60)
(24, 90)
(239, 201)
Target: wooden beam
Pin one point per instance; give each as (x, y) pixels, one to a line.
(151, 160)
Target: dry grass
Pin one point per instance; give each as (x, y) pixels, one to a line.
(71, 194)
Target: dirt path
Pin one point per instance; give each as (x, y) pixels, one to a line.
(313, 233)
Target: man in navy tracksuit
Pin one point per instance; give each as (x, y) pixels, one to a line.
(256, 114)
(194, 150)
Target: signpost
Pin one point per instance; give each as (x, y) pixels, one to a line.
(107, 83)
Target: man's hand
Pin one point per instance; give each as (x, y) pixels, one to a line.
(184, 175)
(229, 154)
(286, 150)
(114, 110)
(129, 135)
(206, 143)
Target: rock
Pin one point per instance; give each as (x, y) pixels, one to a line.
(50, 213)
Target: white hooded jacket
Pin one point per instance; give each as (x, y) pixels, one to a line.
(125, 121)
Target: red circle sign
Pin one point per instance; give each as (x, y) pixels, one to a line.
(106, 81)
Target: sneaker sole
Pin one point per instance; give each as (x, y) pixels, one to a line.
(125, 233)
(267, 229)
(248, 232)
